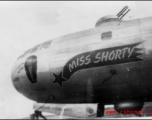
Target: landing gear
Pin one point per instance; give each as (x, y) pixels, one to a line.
(100, 110)
(36, 115)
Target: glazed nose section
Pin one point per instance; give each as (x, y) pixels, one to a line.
(15, 78)
(14, 75)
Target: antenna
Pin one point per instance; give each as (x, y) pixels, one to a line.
(123, 12)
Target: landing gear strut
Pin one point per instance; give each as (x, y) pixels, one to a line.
(100, 110)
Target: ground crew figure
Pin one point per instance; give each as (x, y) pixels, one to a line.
(39, 114)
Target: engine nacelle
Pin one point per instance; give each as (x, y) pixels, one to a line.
(134, 106)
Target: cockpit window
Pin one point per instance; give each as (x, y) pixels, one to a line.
(19, 57)
(26, 52)
(40, 46)
(106, 35)
(36, 48)
(46, 45)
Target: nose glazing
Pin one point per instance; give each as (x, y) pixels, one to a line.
(15, 78)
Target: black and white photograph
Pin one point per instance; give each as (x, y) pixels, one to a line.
(75, 59)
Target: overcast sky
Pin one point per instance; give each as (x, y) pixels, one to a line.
(26, 24)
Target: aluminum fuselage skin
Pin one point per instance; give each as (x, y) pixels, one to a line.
(93, 78)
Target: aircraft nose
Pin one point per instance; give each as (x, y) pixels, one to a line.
(15, 78)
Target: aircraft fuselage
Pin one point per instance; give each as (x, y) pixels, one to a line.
(106, 64)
